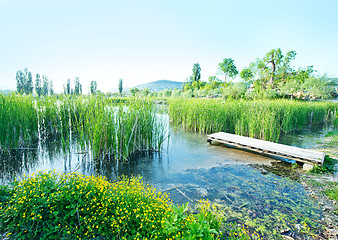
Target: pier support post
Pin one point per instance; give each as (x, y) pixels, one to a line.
(307, 167)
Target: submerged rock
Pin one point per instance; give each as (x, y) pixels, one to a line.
(202, 192)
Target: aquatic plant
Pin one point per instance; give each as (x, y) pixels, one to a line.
(48, 205)
(101, 126)
(18, 122)
(263, 119)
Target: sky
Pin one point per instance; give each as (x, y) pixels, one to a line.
(149, 40)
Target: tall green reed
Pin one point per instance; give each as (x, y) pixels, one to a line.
(99, 125)
(264, 119)
(18, 122)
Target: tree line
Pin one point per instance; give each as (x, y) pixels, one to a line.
(24, 83)
(269, 77)
(44, 86)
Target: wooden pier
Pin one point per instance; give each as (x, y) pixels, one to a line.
(264, 147)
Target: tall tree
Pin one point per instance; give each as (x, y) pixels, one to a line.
(38, 88)
(78, 86)
(24, 81)
(28, 87)
(120, 86)
(93, 87)
(51, 87)
(228, 68)
(68, 90)
(196, 73)
(45, 85)
(19, 81)
(275, 58)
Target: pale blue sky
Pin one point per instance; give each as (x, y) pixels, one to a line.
(143, 41)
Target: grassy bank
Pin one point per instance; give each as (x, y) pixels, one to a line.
(259, 119)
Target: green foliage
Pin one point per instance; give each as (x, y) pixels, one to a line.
(77, 86)
(24, 82)
(228, 68)
(93, 87)
(73, 206)
(38, 88)
(328, 166)
(134, 91)
(196, 73)
(235, 90)
(247, 75)
(182, 225)
(120, 86)
(318, 87)
(332, 191)
(295, 166)
(261, 119)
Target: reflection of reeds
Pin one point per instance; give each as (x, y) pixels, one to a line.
(101, 125)
(259, 119)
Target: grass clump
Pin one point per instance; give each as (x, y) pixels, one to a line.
(328, 166)
(73, 206)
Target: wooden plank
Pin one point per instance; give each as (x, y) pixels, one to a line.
(276, 149)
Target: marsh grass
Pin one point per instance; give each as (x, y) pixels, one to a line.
(264, 119)
(100, 125)
(19, 122)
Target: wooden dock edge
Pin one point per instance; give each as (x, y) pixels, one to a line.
(263, 151)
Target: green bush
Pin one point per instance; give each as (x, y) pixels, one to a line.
(328, 166)
(73, 206)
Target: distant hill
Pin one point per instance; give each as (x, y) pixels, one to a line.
(160, 85)
(334, 81)
(6, 91)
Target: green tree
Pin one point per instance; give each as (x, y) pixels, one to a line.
(228, 68)
(93, 87)
(77, 86)
(51, 87)
(45, 85)
(120, 86)
(134, 91)
(318, 87)
(19, 81)
(196, 73)
(247, 75)
(274, 57)
(38, 88)
(24, 81)
(68, 89)
(28, 86)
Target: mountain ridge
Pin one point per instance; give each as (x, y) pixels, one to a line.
(160, 85)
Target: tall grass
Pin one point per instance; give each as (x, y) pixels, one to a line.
(18, 122)
(99, 125)
(259, 119)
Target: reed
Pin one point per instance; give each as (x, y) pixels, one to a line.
(18, 122)
(264, 119)
(100, 126)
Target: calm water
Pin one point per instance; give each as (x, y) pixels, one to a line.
(253, 190)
